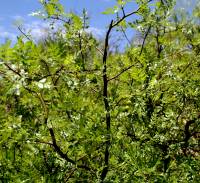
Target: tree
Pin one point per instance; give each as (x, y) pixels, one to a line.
(73, 112)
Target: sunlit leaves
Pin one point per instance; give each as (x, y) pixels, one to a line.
(57, 83)
(53, 7)
(112, 10)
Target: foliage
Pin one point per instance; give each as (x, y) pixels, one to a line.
(74, 112)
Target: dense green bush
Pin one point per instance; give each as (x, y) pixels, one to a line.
(72, 111)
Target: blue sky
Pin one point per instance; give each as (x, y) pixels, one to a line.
(12, 10)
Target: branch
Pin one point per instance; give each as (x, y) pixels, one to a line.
(187, 132)
(43, 142)
(70, 174)
(56, 17)
(126, 16)
(123, 70)
(57, 148)
(159, 48)
(106, 102)
(52, 134)
(145, 37)
(61, 153)
(56, 73)
(23, 33)
(112, 25)
(98, 49)
(13, 70)
(49, 168)
(126, 37)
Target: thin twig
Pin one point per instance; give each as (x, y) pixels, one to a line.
(124, 33)
(61, 19)
(145, 37)
(43, 142)
(126, 16)
(13, 70)
(123, 70)
(70, 174)
(23, 33)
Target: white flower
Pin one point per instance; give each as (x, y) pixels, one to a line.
(40, 85)
(17, 89)
(116, 10)
(139, 27)
(43, 80)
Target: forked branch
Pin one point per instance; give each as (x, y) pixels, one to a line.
(112, 25)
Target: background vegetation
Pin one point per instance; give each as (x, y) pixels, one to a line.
(74, 110)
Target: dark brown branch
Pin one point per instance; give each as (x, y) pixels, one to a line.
(159, 46)
(59, 70)
(106, 103)
(112, 25)
(61, 153)
(13, 70)
(126, 37)
(49, 168)
(187, 132)
(116, 23)
(123, 11)
(23, 33)
(145, 37)
(56, 73)
(123, 70)
(55, 17)
(52, 134)
(81, 50)
(70, 174)
(57, 148)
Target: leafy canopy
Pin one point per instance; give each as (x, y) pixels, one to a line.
(73, 110)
